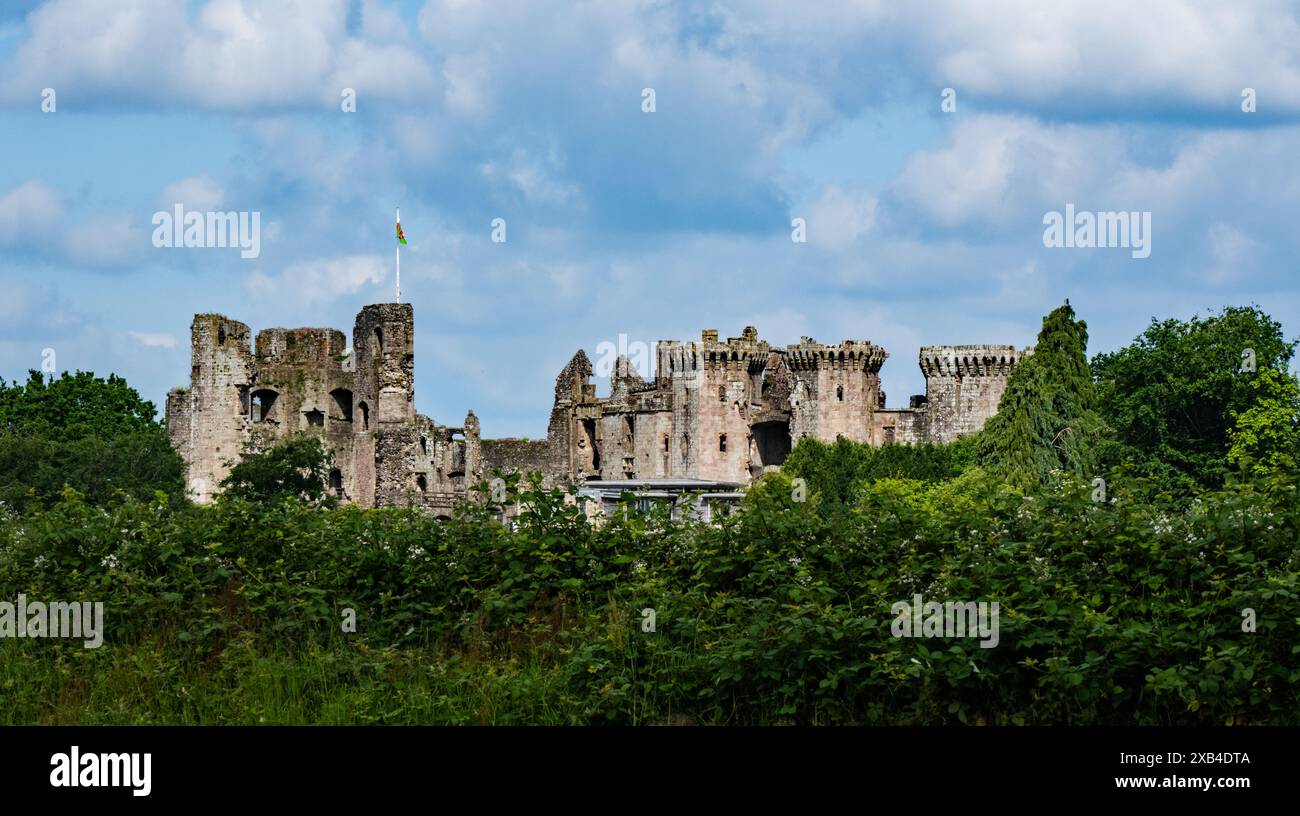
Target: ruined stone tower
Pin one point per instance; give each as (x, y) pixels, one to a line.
(359, 402)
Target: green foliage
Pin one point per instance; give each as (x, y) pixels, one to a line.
(1265, 438)
(35, 470)
(74, 406)
(296, 468)
(1176, 391)
(94, 435)
(1047, 418)
(1110, 612)
(835, 472)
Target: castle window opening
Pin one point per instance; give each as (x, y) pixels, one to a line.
(422, 483)
(365, 415)
(343, 401)
(378, 347)
(589, 431)
(722, 443)
(315, 419)
(839, 393)
(336, 481)
(772, 440)
(263, 403)
(457, 453)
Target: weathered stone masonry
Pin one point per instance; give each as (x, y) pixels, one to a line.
(360, 403)
(713, 411)
(728, 412)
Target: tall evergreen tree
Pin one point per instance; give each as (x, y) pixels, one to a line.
(1047, 418)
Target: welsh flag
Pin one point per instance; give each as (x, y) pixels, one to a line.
(401, 236)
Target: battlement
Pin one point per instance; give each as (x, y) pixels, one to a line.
(738, 352)
(970, 360)
(809, 355)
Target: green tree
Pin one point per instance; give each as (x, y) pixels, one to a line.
(836, 471)
(1047, 418)
(1266, 436)
(74, 406)
(1175, 392)
(298, 467)
(94, 435)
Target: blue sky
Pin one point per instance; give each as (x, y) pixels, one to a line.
(923, 226)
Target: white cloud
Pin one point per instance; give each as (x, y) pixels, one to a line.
(997, 168)
(840, 218)
(224, 54)
(153, 339)
(533, 179)
(1161, 50)
(107, 240)
(320, 281)
(28, 212)
(198, 193)
(1233, 254)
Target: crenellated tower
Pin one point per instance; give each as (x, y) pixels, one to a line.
(963, 386)
(836, 389)
(721, 408)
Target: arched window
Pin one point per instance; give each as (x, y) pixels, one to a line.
(422, 483)
(262, 408)
(365, 415)
(839, 393)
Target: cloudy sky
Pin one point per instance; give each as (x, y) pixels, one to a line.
(923, 226)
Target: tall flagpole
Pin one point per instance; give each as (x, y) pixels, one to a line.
(399, 258)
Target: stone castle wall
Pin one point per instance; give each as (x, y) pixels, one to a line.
(730, 411)
(717, 411)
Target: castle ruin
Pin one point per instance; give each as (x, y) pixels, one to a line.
(712, 411)
(730, 411)
(361, 402)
